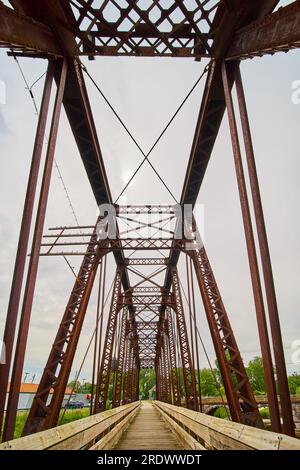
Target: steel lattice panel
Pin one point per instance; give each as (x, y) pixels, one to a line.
(144, 27)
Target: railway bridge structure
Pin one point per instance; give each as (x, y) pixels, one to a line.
(147, 324)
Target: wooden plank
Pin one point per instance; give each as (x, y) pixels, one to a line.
(187, 441)
(222, 434)
(148, 432)
(74, 435)
(110, 440)
(261, 399)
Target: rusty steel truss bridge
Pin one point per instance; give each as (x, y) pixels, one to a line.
(147, 325)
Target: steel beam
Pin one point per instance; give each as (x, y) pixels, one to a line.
(278, 32)
(173, 360)
(187, 366)
(17, 282)
(285, 401)
(44, 414)
(105, 368)
(229, 17)
(117, 392)
(21, 32)
(252, 257)
(75, 100)
(13, 399)
(240, 397)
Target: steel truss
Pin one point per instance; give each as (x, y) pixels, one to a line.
(44, 414)
(146, 322)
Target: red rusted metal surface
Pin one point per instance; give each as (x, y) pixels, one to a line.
(16, 379)
(240, 397)
(252, 257)
(17, 282)
(44, 414)
(141, 331)
(285, 401)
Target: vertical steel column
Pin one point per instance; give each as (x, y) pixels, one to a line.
(134, 378)
(196, 336)
(16, 379)
(105, 369)
(127, 366)
(158, 380)
(136, 367)
(173, 360)
(95, 365)
(187, 367)
(96, 400)
(191, 324)
(123, 398)
(253, 264)
(164, 391)
(117, 393)
(285, 401)
(130, 371)
(17, 282)
(167, 365)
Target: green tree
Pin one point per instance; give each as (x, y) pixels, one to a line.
(76, 385)
(256, 376)
(147, 381)
(294, 383)
(209, 387)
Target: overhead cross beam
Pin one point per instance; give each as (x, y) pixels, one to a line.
(277, 32)
(21, 32)
(75, 101)
(213, 104)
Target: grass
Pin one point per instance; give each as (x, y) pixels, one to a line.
(264, 412)
(221, 413)
(70, 415)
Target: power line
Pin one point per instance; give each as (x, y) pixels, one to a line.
(164, 130)
(146, 156)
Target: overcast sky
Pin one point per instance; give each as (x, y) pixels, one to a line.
(146, 92)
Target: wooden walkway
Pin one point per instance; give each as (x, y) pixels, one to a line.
(148, 431)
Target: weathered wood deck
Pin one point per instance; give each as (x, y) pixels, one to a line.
(148, 431)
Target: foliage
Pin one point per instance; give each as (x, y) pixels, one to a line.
(147, 382)
(20, 423)
(69, 415)
(294, 383)
(221, 412)
(264, 412)
(208, 383)
(75, 385)
(73, 415)
(79, 387)
(255, 372)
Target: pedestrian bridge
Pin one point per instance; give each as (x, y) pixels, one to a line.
(153, 425)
